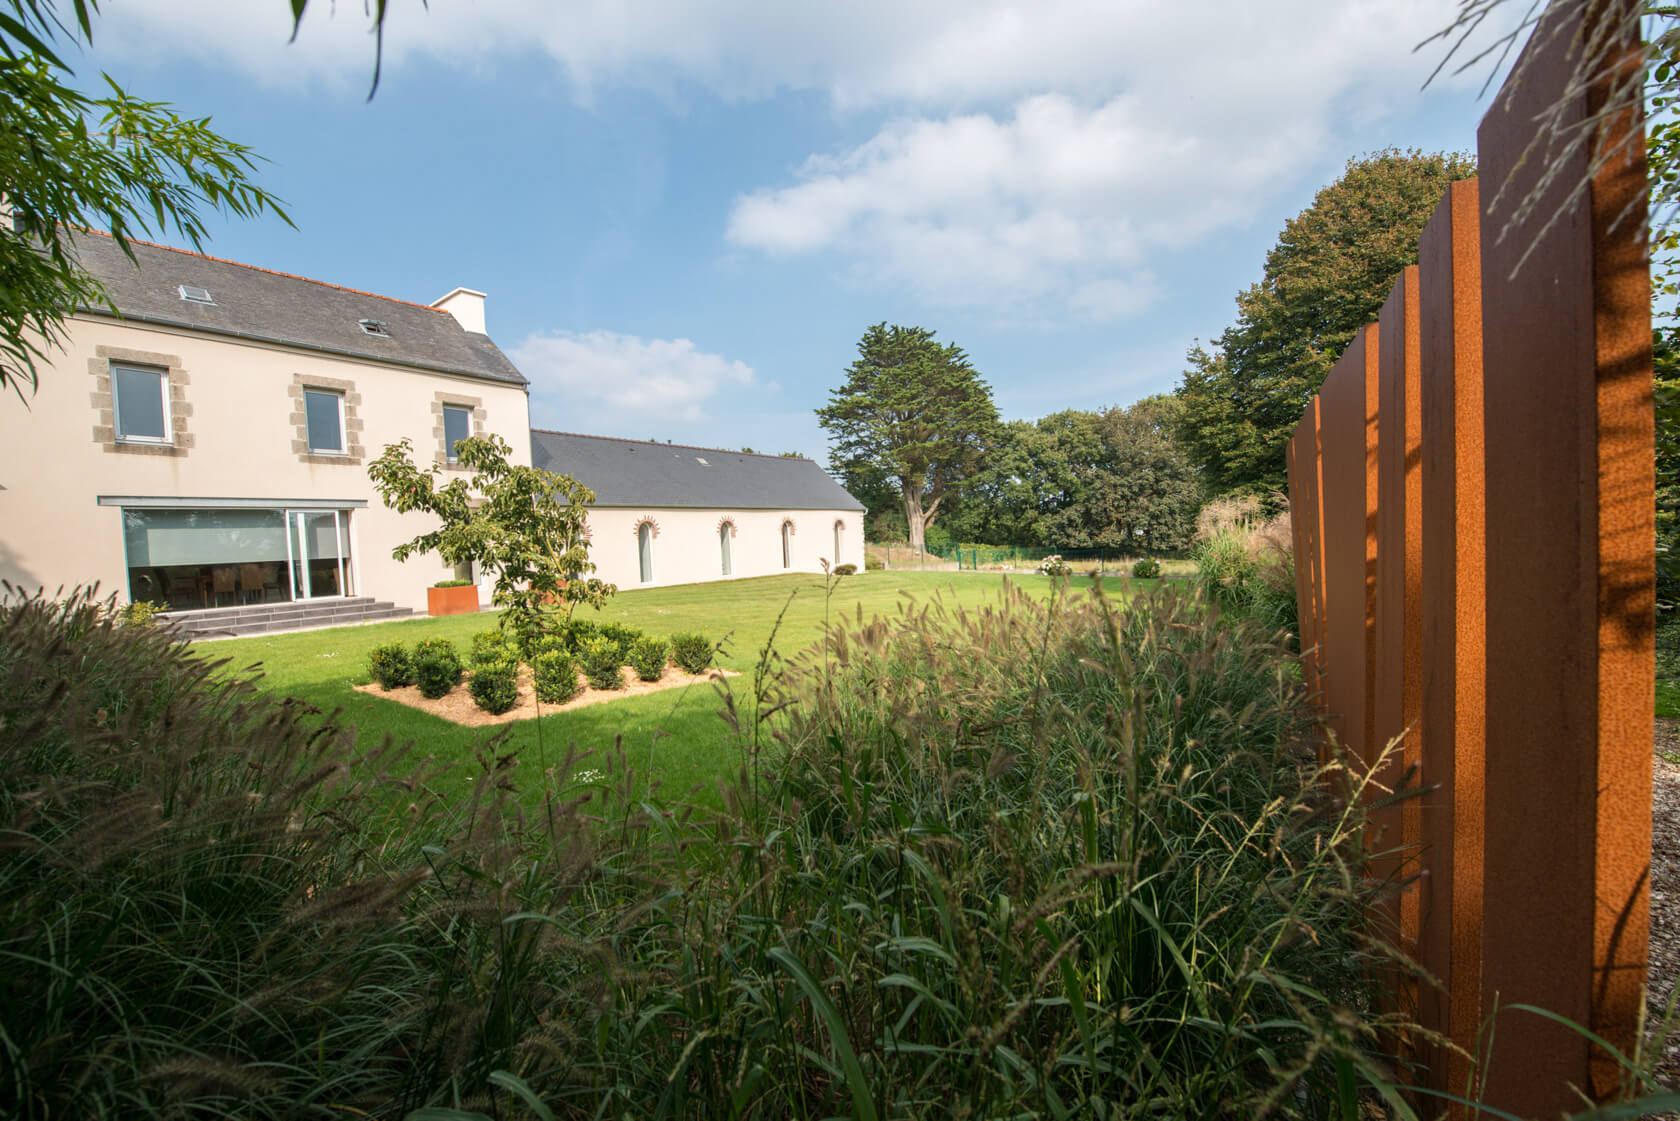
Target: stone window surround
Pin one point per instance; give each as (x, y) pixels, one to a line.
(103, 400)
(479, 415)
(353, 453)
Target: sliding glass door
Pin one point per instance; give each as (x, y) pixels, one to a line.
(320, 552)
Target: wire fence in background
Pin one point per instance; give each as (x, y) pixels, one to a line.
(1011, 558)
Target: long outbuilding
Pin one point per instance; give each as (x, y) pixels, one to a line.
(675, 514)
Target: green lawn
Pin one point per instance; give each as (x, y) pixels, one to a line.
(675, 736)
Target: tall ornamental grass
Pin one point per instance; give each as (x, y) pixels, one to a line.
(1054, 860)
(215, 905)
(1072, 859)
(1245, 562)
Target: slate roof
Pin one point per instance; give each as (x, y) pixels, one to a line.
(276, 307)
(646, 474)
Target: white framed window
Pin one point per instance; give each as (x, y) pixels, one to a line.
(140, 402)
(457, 426)
(787, 544)
(323, 412)
(644, 549)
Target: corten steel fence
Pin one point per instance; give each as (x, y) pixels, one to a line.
(1472, 498)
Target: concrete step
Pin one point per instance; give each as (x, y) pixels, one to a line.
(261, 612)
(230, 622)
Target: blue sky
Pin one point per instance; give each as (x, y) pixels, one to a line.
(686, 212)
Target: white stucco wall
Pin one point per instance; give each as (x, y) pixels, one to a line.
(687, 549)
(239, 409)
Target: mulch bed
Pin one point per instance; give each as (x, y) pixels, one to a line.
(458, 706)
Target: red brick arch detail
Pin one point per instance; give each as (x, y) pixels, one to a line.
(647, 519)
(728, 520)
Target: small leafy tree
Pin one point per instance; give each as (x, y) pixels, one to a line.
(522, 524)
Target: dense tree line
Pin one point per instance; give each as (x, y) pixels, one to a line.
(1326, 277)
(1114, 478)
(1666, 360)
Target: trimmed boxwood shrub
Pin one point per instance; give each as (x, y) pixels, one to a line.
(438, 645)
(601, 663)
(522, 635)
(873, 563)
(495, 685)
(391, 666)
(692, 651)
(490, 646)
(845, 570)
(578, 634)
(648, 658)
(555, 676)
(1147, 569)
(437, 668)
(626, 637)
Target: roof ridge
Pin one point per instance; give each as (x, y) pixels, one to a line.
(657, 444)
(271, 272)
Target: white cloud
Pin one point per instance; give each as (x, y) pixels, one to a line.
(1042, 157)
(930, 53)
(1056, 202)
(1130, 132)
(605, 381)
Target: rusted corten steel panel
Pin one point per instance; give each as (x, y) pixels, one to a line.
(1347, 405)
(1454, 585)
(1399, 624)
(1570, 590)
(1307, 526)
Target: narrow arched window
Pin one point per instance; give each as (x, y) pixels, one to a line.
(787, 545)
(839, 526)
(644, 541)
(723, 546)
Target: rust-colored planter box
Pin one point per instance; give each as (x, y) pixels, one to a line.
(459, 600)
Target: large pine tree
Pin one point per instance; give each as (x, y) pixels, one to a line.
(912, 411)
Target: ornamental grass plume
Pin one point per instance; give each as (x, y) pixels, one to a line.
(216, 903)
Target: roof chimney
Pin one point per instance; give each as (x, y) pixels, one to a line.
(467, 306)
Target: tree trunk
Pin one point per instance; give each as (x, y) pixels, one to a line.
(914, 518)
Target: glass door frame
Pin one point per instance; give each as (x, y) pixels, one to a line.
(299, 573)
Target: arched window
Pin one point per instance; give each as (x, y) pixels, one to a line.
(724, 531)
(644, 543)
(839, 533)
(787, 544)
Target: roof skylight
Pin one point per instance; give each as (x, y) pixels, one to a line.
(375, 327)
(192, 293)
